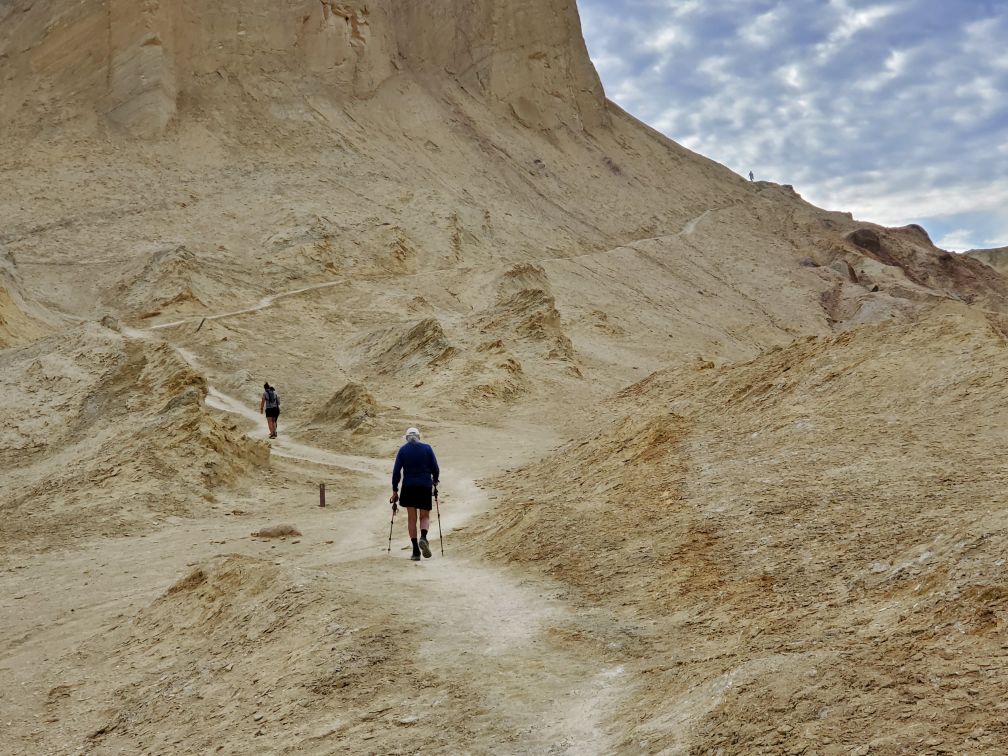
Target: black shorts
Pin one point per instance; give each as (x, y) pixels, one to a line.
(273, 412)
(417, 497)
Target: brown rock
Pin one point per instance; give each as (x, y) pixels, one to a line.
(865, 238)
(277, 531)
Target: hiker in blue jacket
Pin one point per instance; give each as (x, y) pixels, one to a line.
(417, 466)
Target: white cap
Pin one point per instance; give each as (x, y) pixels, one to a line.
(413, 433)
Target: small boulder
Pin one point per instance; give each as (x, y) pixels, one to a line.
(277, 531)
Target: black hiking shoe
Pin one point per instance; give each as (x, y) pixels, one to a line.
(416, 556)
(425, 548)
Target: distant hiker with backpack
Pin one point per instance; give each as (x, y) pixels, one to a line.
(417, 466)
(271, 404)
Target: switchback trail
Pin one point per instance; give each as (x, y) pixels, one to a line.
(268, 301)
(489, 630)
(262, 304)
(504, 638)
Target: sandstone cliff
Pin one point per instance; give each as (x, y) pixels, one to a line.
(138, 63)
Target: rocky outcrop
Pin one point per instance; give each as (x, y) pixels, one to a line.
(352, 407)
(918, 230)
(17, 323)
(169, 275)
(142, 82)
(420, 346)
(996, 258)
(126, 422)
(867, 239)
(934, 271)
(522, 277)
(530, 315)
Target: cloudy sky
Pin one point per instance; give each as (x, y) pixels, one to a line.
(896, 111)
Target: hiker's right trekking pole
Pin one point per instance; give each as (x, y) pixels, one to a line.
(438, 508)
(391, 523)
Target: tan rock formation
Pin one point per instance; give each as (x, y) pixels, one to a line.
(997, 258)
(135, 62)
(19, 322)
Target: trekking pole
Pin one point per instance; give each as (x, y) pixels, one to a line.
(438, 507)
(391, 523)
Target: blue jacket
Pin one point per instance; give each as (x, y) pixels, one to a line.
(417, 465)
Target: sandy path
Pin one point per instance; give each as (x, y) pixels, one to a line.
(285, 447)
(492, 631)
(491, 625)
(690, 227)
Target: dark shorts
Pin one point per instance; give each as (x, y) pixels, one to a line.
(416, 497)
(273, 412)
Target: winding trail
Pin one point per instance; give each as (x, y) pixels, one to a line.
(262, 304)
(493, 631)
(285, 447)
(519, 666)
(268, 301)
(690, 227)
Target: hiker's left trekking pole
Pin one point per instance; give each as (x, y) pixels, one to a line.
(437, 506)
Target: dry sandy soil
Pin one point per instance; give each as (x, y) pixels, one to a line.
(722, 470)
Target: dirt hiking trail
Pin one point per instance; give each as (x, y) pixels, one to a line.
(484, 650)
(489, 627)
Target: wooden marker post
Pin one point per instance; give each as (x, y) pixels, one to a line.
(321, 494)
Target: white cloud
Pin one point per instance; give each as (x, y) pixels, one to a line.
(892, 201)
(715, 67)
(763, 31)
(792, 76)
(984, 32)
(895, 66)
(896, 63)
(851, 21)
(958, 240)
(666, 38)
(687, 8)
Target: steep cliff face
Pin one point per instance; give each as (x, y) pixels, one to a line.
(136, 63)
(528, 55)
